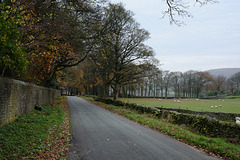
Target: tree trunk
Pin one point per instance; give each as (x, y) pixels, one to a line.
(129, 90)
(178, 91)
(149, 90)
(161, 92)
(116, 91)
(3, 71)
(166, 93)
(103, 88)
(145, 91)
(154, 90)
(142, 91)
(88, 89)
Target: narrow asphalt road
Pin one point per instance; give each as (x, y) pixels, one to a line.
(101, 135)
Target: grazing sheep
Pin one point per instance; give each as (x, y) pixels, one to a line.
(219, 99)
(178, 101)
(216, 106)
(220, 106)
(174, 101)
(159, 99)
(211, 107)
(238, 120)
(197, 99)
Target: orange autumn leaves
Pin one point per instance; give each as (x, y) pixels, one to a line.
(56, 35)
(47, 37)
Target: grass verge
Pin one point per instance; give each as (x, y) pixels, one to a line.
(213, 146)
(40, 134)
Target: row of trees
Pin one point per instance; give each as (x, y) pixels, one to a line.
(42, 39)
(120, 56)
(153, 82)
(191, 84)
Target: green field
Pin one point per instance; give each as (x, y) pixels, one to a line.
(227, 105)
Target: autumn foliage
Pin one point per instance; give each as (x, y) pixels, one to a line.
(12, 55)
(44, 37)
(47, 33)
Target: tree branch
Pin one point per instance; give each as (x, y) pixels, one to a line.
(178, 8)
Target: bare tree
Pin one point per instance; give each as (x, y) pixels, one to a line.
(201, 79)
(219, 83)
(189, 78)
(167, 75)
(235, 81)
(124, 39)
(176, 82)
(179, 8)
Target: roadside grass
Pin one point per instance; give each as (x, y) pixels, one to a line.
(227, 105)
(213, 146)
(32, 134)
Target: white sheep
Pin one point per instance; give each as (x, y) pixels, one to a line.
(178, 101)
(220, 106)
(211, 107)
(159, 99)
(197, 99)
(216, 106)
(238, 120)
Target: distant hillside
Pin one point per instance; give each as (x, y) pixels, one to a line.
(227, 72)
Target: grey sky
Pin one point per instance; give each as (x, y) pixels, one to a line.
(209, 40)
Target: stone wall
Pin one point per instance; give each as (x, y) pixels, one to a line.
(213, 115)
(17, 97)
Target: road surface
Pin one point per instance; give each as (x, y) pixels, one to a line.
(101, 135)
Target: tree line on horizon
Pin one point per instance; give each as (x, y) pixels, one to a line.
(155, 83)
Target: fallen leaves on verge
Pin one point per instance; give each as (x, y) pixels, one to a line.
(56, 144)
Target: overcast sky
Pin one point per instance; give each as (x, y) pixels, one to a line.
(209, 40)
